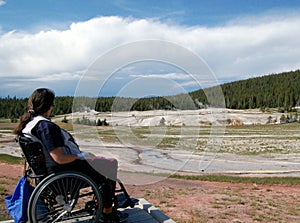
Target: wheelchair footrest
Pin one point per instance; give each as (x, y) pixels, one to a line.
(124, 202)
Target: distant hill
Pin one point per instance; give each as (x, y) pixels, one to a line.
(273, 91)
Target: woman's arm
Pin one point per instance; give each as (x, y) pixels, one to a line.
(59, 157)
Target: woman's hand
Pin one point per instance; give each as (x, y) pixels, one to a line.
(86, 156)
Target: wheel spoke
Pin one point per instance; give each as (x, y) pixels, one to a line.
(64, 197)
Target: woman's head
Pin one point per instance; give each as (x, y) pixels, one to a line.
(39, 103)
(41, 100)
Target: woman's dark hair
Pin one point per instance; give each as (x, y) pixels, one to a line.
(39, 102)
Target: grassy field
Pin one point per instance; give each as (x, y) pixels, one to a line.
(237, 179)
(247, 139)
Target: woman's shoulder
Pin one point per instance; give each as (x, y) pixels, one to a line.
(47, 124)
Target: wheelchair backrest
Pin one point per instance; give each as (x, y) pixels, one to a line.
(34, 155)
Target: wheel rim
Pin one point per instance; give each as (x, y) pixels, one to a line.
(66, 197)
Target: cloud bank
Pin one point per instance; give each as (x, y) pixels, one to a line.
(239, 50)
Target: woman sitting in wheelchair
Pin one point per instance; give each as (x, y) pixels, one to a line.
(63, 153)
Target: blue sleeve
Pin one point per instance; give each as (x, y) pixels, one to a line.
(50, 135)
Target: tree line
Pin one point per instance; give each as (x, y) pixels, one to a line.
(280, 91)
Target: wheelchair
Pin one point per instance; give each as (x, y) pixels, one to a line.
(65, 196)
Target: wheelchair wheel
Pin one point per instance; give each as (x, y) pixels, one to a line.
(65, 197)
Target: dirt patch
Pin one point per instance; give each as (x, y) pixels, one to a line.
(201, 201)
(9, 175)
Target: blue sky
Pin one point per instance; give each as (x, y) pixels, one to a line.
(52, 43)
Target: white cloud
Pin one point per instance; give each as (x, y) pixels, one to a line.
(173, 76)
(2, 2)
(236, 51)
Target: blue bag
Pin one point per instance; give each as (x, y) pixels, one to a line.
(17, 203)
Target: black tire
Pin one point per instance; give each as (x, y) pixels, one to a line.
(65, 197)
